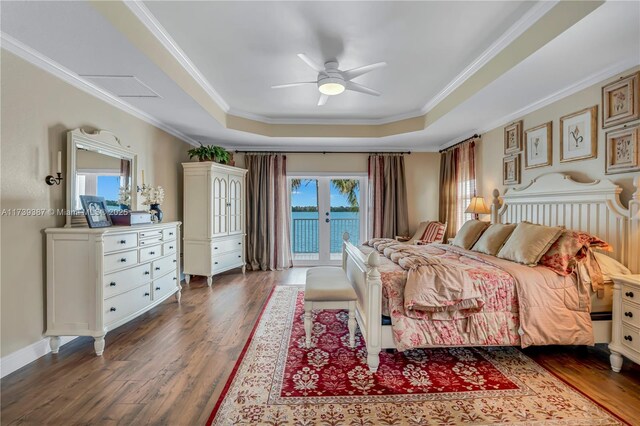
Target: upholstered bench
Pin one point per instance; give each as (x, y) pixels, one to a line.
(328, 287)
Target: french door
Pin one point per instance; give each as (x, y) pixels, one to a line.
(323, 208)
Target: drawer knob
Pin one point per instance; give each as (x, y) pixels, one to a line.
(112, 309)
(146, 272)
(629, 294)
(239, 255)
(175, 279)
(240, 243)
(215, 263)
(215, 248)
(157, 288)
(170, 247)
(152, 252)
(629, 338)
(123, 241)
(170, 233)
(147, 293)
(123, 260)
(628, 314)
(175, 261)
(157, 268)
(112, 284)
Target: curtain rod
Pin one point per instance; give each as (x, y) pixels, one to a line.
(322, 152)
(476, 136)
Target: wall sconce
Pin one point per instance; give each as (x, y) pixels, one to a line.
(50, 180)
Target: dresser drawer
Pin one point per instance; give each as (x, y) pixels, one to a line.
(118, 307)
(150, 253)
(226, 261)
(164, 265)
(116, 261)
(151, 234)
(122, 281)
(227, 246)
(164, 285)
(150, 241)
(631, 337)
(120, 242)
(630, 293)
(631, 314)
(169, 248)
(169, 234)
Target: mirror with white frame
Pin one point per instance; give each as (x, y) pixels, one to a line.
(98, 164)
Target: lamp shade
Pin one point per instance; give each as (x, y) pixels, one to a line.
(478, 206)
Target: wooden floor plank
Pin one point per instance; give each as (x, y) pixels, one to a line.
(169, 366)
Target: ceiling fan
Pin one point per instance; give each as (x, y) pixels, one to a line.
(333, 81)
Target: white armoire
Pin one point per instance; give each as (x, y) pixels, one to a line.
(214, 219)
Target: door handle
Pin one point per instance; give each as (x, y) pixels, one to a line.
(327, 220)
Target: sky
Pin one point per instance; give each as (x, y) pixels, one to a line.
(306, 195)
(109, 187)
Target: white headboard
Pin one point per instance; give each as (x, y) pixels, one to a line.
(555, 199)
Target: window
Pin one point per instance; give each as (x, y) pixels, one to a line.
(466, 191)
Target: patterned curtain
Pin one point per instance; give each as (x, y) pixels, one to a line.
(457, 185)
(388, 213)
(268, 207)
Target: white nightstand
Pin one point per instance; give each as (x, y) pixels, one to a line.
(625, 334)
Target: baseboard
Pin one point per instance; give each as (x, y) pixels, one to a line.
(28, 354)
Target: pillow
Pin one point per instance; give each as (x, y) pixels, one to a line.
(469, 233)
(609, 266)
(434, 232)
(569, 249)
(528, 242)
(493, 238)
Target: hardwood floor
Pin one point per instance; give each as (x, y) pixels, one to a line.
(170, 365)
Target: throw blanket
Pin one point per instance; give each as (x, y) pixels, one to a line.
(435, 285)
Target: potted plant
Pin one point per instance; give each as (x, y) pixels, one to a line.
(210, 153)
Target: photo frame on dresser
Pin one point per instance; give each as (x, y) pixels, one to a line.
(511, 170)
(513, 138)
(538, 146)
(623, 150)
(579, 135)
(95, 210)
(621, 101)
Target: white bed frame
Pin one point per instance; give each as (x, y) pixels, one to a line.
(551, 199)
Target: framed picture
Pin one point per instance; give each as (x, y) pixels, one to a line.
(511, 170)
(621, 101)
(513, 138)
(579, 135)
(623, 150)
(95, 210)
(537, 141)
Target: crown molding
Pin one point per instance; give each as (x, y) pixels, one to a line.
(589, 81)
(146, 17)
(45, 63)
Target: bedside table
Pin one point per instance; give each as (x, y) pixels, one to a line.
(625, 332)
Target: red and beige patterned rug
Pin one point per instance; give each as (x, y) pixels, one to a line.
(278, 381)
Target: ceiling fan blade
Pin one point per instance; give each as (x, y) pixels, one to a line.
(360, 88)
(302, 83)
(313, 64)
(355, 72)
(323, 99)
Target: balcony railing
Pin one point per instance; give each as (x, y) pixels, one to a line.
(304, 234)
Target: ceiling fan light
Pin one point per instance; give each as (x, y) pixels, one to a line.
(331, 88)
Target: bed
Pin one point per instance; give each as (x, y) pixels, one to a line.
(551, 199)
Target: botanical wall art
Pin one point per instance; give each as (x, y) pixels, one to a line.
(579, 135)
(621, 101)
(538, 146)
(513, 138)
(622, 154)
(511, 170)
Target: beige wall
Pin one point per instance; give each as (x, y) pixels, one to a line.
(421, 171)
(37, 111)
(491, 148)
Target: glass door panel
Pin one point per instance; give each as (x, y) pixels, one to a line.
(236, 215)
(344, 214)
(219, 204)
(305, 240)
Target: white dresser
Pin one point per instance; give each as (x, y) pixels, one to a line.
(214, 219)
(101, 278)
(626, 320)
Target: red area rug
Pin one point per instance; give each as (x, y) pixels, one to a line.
(278, 381)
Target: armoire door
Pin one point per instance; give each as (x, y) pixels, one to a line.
(236, 215)
(220, 184)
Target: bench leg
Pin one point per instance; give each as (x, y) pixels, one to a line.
(308, 306)
(352, 324)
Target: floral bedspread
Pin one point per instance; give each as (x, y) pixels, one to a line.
(496, 324)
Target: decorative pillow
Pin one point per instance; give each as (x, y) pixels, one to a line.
(433, 233)
(528, 242)
(569, 249)
(469, 233)
(493, 238)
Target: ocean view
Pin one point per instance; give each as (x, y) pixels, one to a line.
(304, 230)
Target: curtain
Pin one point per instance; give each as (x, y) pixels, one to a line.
(268, 207)
(125, 172)
(388, 212)
(457, 185)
